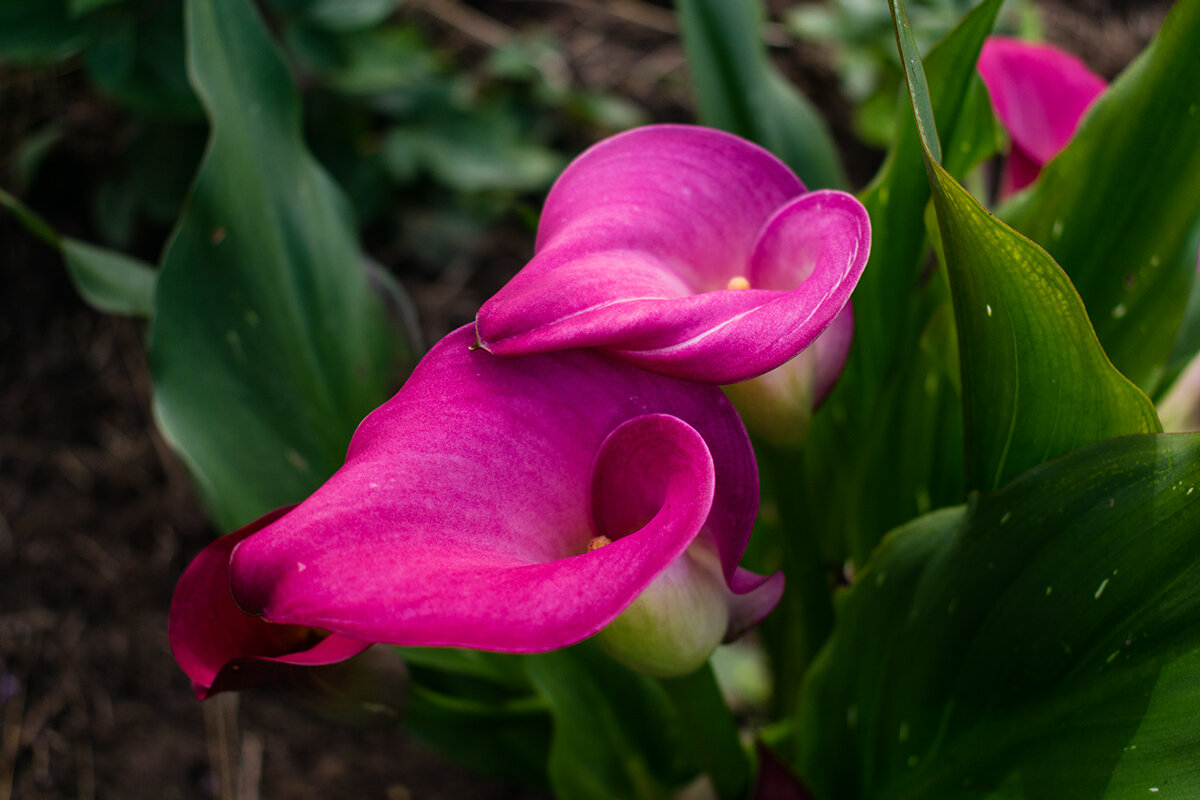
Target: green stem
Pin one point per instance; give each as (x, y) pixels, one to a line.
(30, 219)
(709, 727)
(805, 617)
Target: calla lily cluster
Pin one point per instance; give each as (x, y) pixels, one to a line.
(567, 466)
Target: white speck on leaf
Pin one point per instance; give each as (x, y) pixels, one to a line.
(1100, 591)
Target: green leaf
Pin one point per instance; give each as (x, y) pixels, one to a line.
(78, 8)
(615, 733)
(887, 303)
(365, 62)
(508, 738)
(1040, 643)
(271, 339)
(1036, 383)
(471, 151)
(110, 281)
(1119, 209)
(890, 429)
(738, 90)
(137, 56)
(337, 15)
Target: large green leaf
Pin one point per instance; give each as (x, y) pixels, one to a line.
(738, 90)
(1040, 643)
(271, 338)
(1119, 207)
(1036, 382)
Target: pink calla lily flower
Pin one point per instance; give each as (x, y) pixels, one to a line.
(507, 505)
(220, 647)
(1039, 94)
(685, 251)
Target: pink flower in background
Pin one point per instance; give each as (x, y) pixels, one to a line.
(1039, 94)
(685, 251)
(507, 505)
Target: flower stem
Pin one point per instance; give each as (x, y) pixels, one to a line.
(709, 727)
(804, 619)
(30, 220)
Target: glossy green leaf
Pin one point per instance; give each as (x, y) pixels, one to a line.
(1119, 207)
(1040, 643)
(615, 733)
(1036, 383)
(738, 90)
(272, 337)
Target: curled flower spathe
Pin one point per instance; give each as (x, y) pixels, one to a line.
(1039, 94)
(516, 506)
(685, 251)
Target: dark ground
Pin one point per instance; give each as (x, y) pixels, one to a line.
(97, 518)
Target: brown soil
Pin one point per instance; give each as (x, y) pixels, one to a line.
(97, 519)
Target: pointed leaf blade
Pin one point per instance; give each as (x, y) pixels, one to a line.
(271, 340)
(1036, 644)
(1118, 208)
(1036, 382)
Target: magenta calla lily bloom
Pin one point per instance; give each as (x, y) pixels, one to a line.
(220, 647)
(1039, 94)
(685, 251)
(507, 505)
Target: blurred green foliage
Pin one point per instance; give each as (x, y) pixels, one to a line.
(859, 34)
(399, 123)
